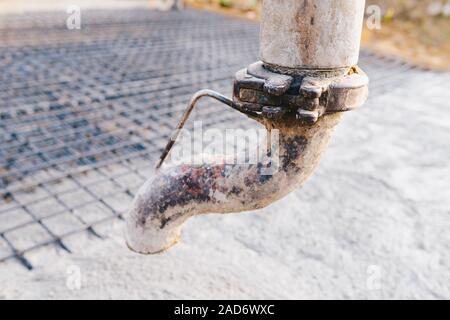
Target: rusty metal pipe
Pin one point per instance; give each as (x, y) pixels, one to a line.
(306, 79)
(177, 193)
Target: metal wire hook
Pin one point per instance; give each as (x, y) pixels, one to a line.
(197, 96)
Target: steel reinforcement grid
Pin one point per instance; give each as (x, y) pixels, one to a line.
(84, 114)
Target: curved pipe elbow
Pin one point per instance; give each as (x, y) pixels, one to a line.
(175, 194)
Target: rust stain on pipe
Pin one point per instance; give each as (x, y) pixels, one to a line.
(306, 34)
(173, 195)
(307, 78)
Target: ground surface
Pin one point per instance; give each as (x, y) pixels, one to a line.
(371, 223)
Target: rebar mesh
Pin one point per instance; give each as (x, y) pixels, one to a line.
(84, 114)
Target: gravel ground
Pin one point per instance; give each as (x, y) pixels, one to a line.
(372, 222)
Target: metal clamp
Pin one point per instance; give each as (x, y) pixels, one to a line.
(265, 93)
(259, 92)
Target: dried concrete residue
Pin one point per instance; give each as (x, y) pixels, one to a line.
(311, 34)
(175, 194)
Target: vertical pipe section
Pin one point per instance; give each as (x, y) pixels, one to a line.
(311, 34)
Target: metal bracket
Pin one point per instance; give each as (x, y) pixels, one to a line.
(259, 92)
(264, 93)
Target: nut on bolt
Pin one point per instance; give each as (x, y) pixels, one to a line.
(307, 117)
(311, 88)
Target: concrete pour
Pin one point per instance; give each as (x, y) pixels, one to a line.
(372, 222)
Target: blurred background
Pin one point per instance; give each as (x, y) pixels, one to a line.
(417, 30)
